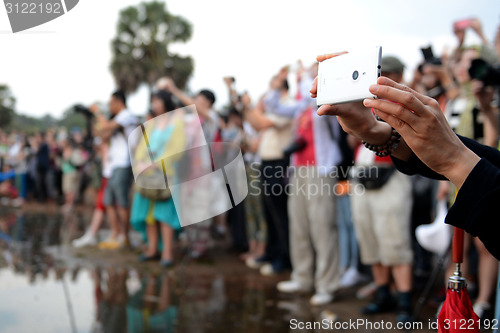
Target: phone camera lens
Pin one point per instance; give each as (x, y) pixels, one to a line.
(355, 75)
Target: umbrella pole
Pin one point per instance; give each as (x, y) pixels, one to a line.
(457, 281)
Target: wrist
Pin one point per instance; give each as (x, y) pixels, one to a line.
(461, 167)
(388, 147)
(486, 108)
(378, 134)
(174, 90)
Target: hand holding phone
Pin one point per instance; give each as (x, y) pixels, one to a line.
(462, 24)
(347, 78)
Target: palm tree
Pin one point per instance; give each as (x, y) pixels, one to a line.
(140, 48)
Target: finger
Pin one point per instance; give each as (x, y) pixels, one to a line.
(323, 57)
(314, 88)
(385, 81)
(401, 94)
(396, 110)
(403, 128)
(327, 110)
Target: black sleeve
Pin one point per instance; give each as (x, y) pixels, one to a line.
(475, 209)
(415, 166)
(476, 206)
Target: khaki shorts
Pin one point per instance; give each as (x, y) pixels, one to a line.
(382, 222)
(70, 182)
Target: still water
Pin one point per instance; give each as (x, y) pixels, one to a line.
(47, 286)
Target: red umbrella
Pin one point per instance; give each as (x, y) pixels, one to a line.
(457, 314)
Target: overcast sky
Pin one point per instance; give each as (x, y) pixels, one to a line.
(53, 66)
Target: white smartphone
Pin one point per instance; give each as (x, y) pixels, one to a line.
(346, 78)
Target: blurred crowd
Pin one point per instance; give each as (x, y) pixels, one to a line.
(43, 166)
(319, 203)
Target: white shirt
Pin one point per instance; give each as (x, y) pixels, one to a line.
(118, 155)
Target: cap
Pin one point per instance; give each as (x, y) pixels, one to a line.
(392, 64)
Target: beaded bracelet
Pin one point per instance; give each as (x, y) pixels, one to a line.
(387, 148)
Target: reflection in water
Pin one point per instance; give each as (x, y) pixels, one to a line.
(152, 308)
(51, 288)
(23, 239)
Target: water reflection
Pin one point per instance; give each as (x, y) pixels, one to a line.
(23, 239)
(46, 286)
(151, 308)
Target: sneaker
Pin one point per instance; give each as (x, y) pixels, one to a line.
(86, 240)
(267, 270)
(112, 243)
(481, 309)
(254, 263)
(290, 286)
(321, 299)
(350, 278)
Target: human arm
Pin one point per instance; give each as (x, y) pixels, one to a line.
(273, 104)
(103, 127)
(497, 41)
(445, 78)
(476, 26)
(255, 116)
(272, 99)
(425, 131)
(434, 149)
(460, 28)
(476, 206)
(168, 84)
(414, 165)
(233, 95)
(424, 128)
(358, 120)
(484, 96)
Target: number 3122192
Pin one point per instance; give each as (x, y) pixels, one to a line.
(33, 8)
(465, 324)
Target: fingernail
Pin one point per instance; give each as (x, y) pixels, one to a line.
(367, 102)
(374, 88)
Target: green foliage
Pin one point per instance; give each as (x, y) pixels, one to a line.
(140, 48)
(7, 106)
(26, 124)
